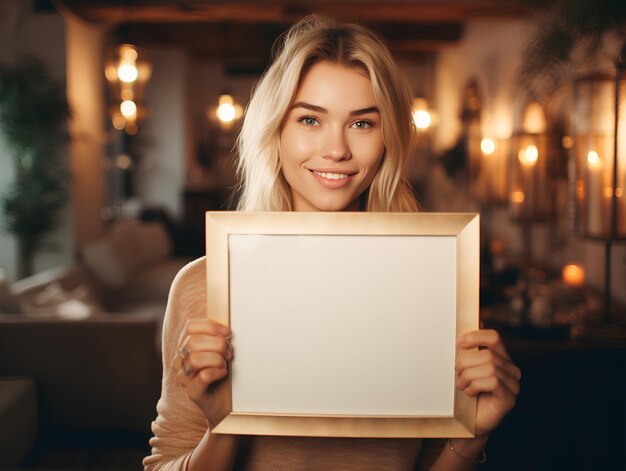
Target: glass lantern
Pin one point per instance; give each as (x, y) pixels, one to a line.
(600, 156)
(530, 199)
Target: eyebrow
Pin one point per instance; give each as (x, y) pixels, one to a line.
(320, 109)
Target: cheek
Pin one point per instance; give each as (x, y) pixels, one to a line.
(295, 147)
(370, 152)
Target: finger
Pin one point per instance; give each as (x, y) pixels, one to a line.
(208, 343)
(197, 388)
(469, 359)
(205, 326)
(472, 378)
(502, 399)
(181, 369)
(484, 338)
(200, 360)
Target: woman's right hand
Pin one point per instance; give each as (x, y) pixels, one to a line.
(203, 354)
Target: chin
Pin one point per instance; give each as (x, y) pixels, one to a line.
(334, 205)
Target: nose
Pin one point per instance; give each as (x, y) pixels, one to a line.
(335, 146)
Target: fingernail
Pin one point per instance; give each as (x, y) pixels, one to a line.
(460, 340)
(222, 329)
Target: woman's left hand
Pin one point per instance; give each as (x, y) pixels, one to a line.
(489, 374)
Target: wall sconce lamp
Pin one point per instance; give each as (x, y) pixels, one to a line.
(228, 112)
(127, 73)
(422, 117)
(599, 155)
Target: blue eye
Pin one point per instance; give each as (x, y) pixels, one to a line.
(309, 121)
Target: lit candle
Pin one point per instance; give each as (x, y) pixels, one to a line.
(594, 192)
(517, 201)
(528, 158)
(574, 275)
(487, 147)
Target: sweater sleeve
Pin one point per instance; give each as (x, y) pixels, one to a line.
(180, 425)
(430, 451)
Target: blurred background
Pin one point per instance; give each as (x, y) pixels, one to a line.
(117, 126)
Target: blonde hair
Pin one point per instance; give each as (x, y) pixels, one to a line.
(314, 39)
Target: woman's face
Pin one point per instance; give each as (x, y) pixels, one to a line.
(331, 141)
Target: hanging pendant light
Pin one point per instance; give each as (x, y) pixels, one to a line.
(127, 73)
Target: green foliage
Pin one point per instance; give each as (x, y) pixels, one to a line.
(33, 120)
(562, 27)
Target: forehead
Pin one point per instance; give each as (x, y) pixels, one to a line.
(326, 83)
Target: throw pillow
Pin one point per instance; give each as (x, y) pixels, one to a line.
(101, 258)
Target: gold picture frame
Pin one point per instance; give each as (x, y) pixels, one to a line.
(344, 324)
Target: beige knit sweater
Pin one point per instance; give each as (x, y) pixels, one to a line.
(180, 424)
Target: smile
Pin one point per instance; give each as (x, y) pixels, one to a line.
(330, 176)
(332, 180)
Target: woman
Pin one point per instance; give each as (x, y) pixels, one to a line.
(328, 128)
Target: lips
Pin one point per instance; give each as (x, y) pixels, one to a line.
(332, 180)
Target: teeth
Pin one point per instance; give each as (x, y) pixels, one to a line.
(331, 176)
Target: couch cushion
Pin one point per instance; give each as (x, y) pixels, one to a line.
(150, 284)
(152, 241)
(127, 245)
(101, 258)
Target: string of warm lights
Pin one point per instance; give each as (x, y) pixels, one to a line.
(127, 75)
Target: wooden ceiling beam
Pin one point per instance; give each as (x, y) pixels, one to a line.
(281, 11)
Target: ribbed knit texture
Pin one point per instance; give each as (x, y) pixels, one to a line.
(180, 425)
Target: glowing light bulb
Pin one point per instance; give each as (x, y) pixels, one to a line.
(226, 112)
(128, 108)
(487, 146)
(517, 196)
(127, 73)
(529, 155)
(593, 159)
(422, 119)
(118, 122)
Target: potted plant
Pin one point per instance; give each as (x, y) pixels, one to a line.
(568, 33)
(33, 119)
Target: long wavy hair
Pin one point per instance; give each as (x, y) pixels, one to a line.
(262, 186)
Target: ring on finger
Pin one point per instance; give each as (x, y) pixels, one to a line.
(183, 352)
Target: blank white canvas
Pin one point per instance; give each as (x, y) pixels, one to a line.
(354, 325)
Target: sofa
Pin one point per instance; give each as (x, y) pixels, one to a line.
(129, 269)
(87, 335)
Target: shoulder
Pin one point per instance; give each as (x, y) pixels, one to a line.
(190, 278)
